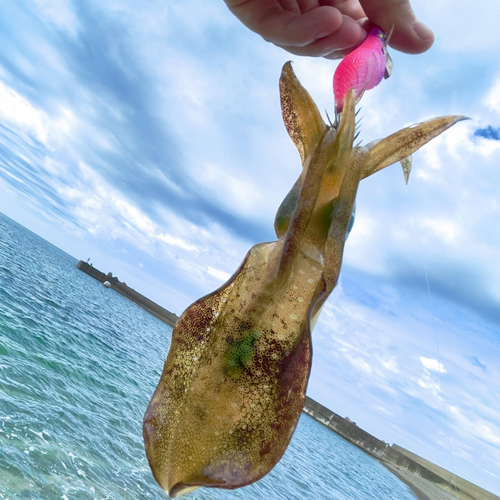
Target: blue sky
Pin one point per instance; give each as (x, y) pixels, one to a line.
(149, 138)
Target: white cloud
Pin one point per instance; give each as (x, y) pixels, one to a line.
(445, 229)
(362, 248)
(19, 111)
(491, 473)
(492, 100)
(488, 147)
(217, 273)
(176, 241)
(12, 176)
(236, 191)
(430, 386)
(432, 365)
(60, 13)
(390, 364)
(360, 364)
(485, 430)
(383, 410)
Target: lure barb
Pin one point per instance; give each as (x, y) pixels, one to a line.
(388, 60)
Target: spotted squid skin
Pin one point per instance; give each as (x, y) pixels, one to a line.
(233, 385)
(362, 69)
(234, 382)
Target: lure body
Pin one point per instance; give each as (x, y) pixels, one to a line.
(362, 69)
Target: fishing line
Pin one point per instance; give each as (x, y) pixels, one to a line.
(434, 328)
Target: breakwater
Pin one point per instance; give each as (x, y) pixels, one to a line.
(395, 456)
(123, 289)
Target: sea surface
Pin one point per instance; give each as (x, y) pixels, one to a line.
(78, 365)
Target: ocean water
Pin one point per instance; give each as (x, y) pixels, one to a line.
(78, 364)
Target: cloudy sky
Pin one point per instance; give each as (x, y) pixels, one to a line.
(148, 137)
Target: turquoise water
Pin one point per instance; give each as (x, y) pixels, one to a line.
(78, 364)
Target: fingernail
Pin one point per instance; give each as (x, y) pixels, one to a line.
(422, 31)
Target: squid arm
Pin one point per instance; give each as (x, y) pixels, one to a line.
(234, 382)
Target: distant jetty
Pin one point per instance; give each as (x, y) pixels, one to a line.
(123, 289)
(427, 480)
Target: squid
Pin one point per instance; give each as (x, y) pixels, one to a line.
(234, 381)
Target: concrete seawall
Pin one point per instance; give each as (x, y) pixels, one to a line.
(395, 456)
(122, 288)
(471, 489)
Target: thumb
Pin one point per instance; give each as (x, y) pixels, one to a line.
(410, 35)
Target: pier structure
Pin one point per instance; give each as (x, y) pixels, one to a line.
(396, 458)
(123, 289)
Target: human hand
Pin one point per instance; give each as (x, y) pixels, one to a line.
(331, 28)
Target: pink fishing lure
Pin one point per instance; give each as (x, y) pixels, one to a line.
(362, 69)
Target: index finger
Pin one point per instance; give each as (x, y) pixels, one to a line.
(282, 27)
